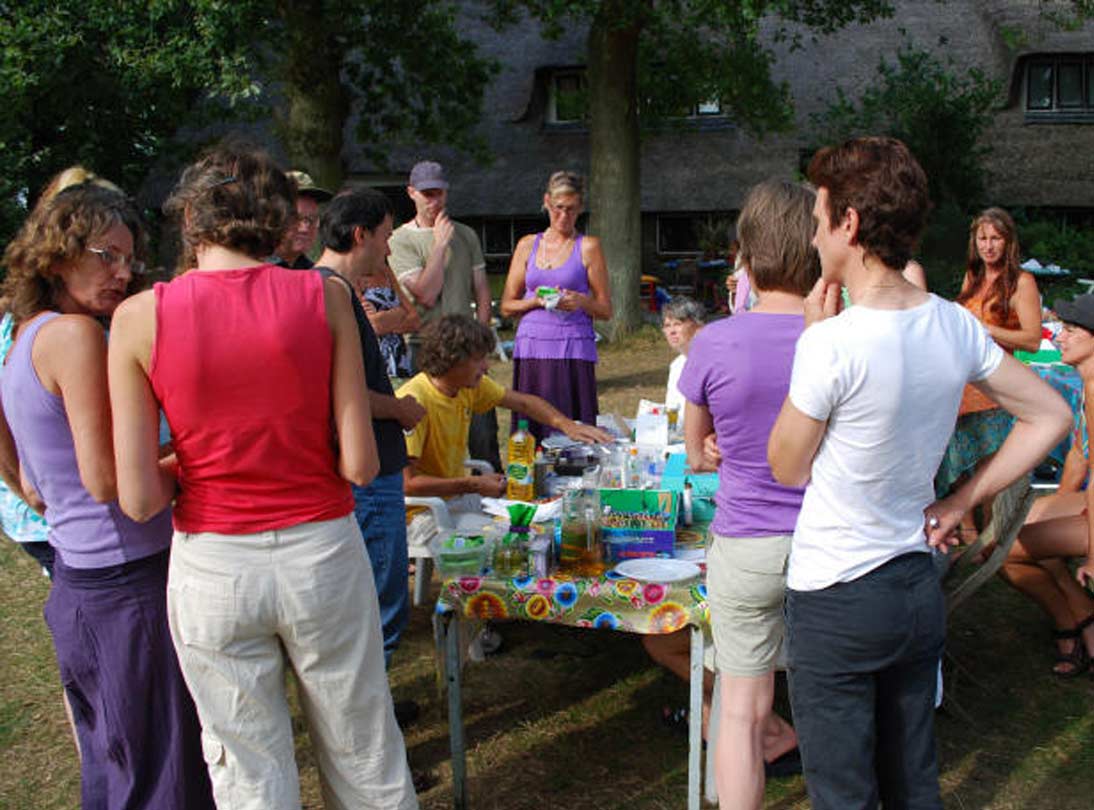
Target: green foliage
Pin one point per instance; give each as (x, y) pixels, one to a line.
(1052, 241)
(940, 114)
(943, 249)
(101, 83)
(110, 83)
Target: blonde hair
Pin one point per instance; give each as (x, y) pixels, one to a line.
(564, 182)
(74, 176)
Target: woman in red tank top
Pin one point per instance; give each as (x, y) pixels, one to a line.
(252, 365)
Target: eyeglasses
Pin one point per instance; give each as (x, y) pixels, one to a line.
(113, 261)
(565, 209)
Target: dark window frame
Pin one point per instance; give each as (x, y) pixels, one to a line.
(1080, 110)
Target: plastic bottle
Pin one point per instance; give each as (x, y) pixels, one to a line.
(632, 471)
(520, 467)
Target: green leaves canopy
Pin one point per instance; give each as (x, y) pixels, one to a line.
(112, 83)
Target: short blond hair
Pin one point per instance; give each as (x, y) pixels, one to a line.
(566, 182)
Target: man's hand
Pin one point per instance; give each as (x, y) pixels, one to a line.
(941, 521)
(442, 231)
(490, 485)
(585, 433)
(823, 301)
(368, 306)
(410, 412)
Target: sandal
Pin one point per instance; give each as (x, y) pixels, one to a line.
(1074, 663)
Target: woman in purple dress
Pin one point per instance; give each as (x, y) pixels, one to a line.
(554, 355)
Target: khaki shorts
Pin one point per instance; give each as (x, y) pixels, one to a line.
(746, 584)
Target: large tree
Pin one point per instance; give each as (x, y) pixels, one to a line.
(113, 83)
(647, 58)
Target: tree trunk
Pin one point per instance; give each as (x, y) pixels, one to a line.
(316, 104)
(614, 188)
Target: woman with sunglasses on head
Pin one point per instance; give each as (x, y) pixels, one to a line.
(554, 354)
(1058, 527)
(72, 264)
(258, 369)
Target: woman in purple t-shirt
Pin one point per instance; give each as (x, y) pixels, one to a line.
(735, 380)
(554, 354)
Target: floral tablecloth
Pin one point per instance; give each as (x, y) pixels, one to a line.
(608, 602)
(978, 435)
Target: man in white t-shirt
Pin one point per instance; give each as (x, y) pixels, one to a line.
(873, 399)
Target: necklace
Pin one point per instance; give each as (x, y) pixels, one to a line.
(545, 254)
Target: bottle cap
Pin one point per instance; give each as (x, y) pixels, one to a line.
(522, 424)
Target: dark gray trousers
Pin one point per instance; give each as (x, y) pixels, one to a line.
(863, 662)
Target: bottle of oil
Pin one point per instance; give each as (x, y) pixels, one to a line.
(520, 467)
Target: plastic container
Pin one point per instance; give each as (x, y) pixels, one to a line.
(463, 556)
(520, 466)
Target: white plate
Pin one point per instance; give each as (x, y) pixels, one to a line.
(658, 570)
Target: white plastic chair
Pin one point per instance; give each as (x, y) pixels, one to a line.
(462, 522)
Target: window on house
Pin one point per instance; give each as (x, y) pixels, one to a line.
(568, 97)
(678, 233)
(1060, 87)
(497, 237)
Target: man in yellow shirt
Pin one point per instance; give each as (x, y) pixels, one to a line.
(455, 355)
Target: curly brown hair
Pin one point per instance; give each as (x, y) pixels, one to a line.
(55, 234)
(236, 197)
(881, 179)
(1006, 283)
(451, 339)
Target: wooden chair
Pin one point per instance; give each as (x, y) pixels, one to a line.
(447, 524)
(961, 576)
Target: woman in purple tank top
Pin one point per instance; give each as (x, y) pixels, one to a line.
(554, 356)
(71, 264)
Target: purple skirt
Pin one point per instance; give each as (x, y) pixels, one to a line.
(140, 740)
(569, 385)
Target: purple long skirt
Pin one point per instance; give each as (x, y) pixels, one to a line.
(569, 385)
(140, 740)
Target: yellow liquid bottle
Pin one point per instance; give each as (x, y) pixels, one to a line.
(520, 466)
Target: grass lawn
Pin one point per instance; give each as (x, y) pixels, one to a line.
(571, 717)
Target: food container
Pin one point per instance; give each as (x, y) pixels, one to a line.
(463, 556)
(549, 295)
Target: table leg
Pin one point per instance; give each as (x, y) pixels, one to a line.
(448, 640)
(695, 718)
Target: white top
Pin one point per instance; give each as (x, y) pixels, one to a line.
(889, 383)
(673, 397)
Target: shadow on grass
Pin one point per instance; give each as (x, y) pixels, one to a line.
(1013, 735)
(573, 715)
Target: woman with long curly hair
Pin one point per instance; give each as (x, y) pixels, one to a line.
(998, 292)
(73, 262)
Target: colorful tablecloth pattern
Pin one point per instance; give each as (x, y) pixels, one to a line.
(978, 435)
(609, 602)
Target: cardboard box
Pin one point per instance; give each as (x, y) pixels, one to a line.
(641, 523)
